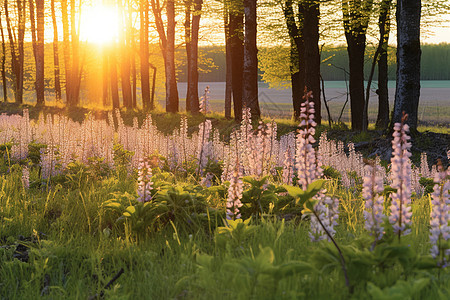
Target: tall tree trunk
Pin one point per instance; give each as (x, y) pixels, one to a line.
(171, 80)
(75, 72)
(193, 59)
(407, 90)
(383, 94)
(152, 98)
(105, 77)
(114, 77)
(132, 51)
(144, 55)
(297, 54)
(356, 46)
(124, 60)
(17, 53)
(40, 75)
(66, 52)
(188, 41)
(56, 53)
(168, 49)
(33, 26)
(236, 27)
(356, 20)
(250, 83)
(3, 70)
(228, 73)
(312, 54)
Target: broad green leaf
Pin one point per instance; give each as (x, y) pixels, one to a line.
(315, 186)
(294, 191)
(131, 209)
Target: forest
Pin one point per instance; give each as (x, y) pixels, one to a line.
(104, 194)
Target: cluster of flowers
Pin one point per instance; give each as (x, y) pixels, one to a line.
(440, 217)
(144, 181)
(249, 152)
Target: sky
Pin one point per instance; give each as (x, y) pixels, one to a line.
(437, 35)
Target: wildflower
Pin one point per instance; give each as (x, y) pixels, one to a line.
(373, 213)
(306, 162)
(401, 180)
(287, 167)
(327, 211)
(204, 145)
(144, 181)
(235, 194)
(440, 218)
(207, 180)
(204, 104)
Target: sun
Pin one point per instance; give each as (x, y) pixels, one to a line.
(99, 24)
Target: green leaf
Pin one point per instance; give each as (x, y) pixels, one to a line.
(315, 186)
(112, 204)
(294, 191)
(131, 209)
(204, 260)
(293, 268)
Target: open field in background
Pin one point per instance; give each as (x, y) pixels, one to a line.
(434, 106)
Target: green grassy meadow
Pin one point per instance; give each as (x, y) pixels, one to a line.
(82, 234)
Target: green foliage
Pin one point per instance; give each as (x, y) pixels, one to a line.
(427, 183)
(81, 229)
(258, 198)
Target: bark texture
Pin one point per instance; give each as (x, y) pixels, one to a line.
(250, 72)
(407, 90)
(56, 53)
(236, 28)
(383, 95)
(312, 54)
(40, 76)
(144, 55)
(356, 19)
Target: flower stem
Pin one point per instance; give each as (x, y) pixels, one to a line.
(342, 259)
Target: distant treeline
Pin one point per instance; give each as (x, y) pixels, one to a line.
(435, 63)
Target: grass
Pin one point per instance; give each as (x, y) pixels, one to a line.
(76, 247)
(59, 240)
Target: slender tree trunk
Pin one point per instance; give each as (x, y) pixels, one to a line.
(144, 55)
(188, 41)
(228, 74)
(250, 83)
(124, 60)
(131, 52)
(56, 53)
(66, 52)
(105, 77)
(407, 90)
(33, 26)
(356, 19)
(236, 27)
(75, 72)
(114, 77)
(312, 54)
(297, 54)
(5, 88)
(356, 46)
(171, 80)
(383, 95)
(152, 98)
(20, 40)
(17, 54)
(133, 77)
(40, 75)
(193, 65)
